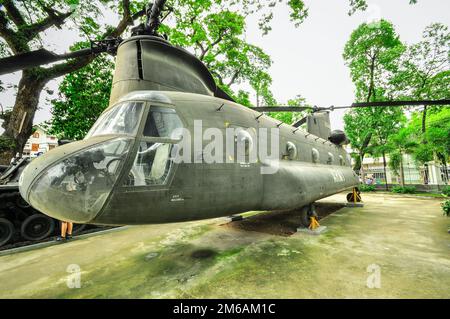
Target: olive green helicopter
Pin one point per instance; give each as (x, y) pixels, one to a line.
(127, 170)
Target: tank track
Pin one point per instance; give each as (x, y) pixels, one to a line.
(21, 224)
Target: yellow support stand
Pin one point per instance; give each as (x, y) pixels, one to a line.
(314, 223)
(354, 198)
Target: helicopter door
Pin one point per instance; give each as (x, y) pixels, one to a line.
(153, 164)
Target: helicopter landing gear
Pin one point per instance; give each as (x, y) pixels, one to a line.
(308, 217)
(354, 198)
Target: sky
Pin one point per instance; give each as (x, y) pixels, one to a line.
(307, 60)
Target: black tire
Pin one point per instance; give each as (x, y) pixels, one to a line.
(21, 203)
(37, 227)
(6, 231)
(350, 197)
(305, 215)
(78, 228)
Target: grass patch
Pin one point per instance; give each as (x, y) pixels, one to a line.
(366, 188)
(404, 189)
(228, 253)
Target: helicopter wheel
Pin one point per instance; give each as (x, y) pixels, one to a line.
(37, 227)
(306, 213)
(6, 231)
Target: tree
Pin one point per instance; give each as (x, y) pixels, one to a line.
(388, 122)
(437, 135)
(372, 54)
(83, 95)
(425, 68)
(216, 36)
(401, 143)
(22, 32)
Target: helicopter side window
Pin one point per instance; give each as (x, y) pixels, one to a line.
(161, 122)
(151, 165)
(121, 119)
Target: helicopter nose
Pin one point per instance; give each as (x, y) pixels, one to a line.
(74, 183)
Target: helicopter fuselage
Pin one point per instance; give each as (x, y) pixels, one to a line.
(130, 175)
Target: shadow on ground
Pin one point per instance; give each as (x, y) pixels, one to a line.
(281, 223)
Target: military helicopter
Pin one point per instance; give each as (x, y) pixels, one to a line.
(125, 171)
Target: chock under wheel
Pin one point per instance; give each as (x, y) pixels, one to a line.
(314, 223)
(354, 196)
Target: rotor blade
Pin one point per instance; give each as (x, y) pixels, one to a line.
(36, 58)
(280, 108)
(353, 105)
(393, 103)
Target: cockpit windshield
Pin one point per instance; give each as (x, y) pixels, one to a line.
(121, 119)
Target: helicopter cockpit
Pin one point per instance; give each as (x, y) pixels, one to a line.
(128, 146)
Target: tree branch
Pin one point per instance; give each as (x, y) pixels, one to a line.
(234, 77)
(67, 67)
(124, 22)
(12, 38)
(78, 63)
(14, 13)
(55, 19)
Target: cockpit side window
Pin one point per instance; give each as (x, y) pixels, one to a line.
(161, 122)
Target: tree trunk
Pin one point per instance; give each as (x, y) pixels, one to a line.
(384, 169)
(361, 168)
(443, 160)
(20, 125)
(362, 152)
(424, 121)
(402, 172)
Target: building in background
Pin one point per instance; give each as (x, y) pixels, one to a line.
(39, 142)
(432, 173)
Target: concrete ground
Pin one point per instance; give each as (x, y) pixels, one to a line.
(398, 246)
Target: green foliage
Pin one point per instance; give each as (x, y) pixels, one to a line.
(384, 69)
(361, 5)
(371, 54)
(291, 117)
(436, 138)
(84, 94)
(423, 71)
(395, 160)
(446, 208)
(5, 116)
(217, 38)
(404, 189)
(243, 97)
(6, 144)
(446, 191)
(366, 188)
